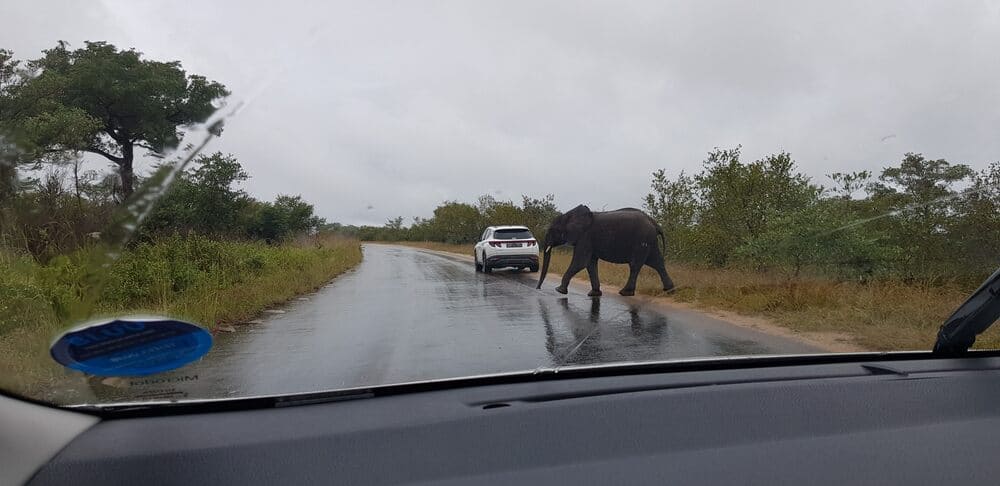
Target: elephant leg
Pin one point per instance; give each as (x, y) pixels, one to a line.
(656, 263)
(638, 260)
(595, 282)
(578, 263)
(633, 275)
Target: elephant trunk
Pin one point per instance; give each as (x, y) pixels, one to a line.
(545, 264)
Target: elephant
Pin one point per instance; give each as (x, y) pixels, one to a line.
(625, 235)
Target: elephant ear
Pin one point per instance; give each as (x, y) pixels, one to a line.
(578, 221)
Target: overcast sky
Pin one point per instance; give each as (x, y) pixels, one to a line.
(372, 110)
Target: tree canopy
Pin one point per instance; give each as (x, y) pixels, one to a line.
(458, 222)
(101, 100)
(914, 220)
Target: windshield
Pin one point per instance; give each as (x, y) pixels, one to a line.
(227, 200)
(512, 234)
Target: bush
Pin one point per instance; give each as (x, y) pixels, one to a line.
(909, 224)
(458, 223)
(817, 237)
(24, 298)
(197, 279)
(163, 276)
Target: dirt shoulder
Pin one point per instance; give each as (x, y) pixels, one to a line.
(829, 341)
(823, 340)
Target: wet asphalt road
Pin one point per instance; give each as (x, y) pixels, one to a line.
(405, 314)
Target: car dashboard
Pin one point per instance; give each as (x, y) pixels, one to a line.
(862, 419)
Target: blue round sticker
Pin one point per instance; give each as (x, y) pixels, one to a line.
(131, 346)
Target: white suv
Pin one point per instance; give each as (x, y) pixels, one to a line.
(506, 246)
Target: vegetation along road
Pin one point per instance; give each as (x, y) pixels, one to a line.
(873, 259)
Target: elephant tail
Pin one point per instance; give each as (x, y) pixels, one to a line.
(659, 230)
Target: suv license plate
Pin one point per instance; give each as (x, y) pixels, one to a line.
(513, 245)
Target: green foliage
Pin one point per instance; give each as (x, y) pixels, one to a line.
(160, 274)
(458, 223)
(674, 204)
(923, 210)
(976, 234)
(910, 223)
(46, 217)
(538, 213)
(152, 272)
(738, 201)
(101, 100)
(58, 214)
(817, 237)
(204, 199)
(286, 216)
(24, 299)
(346, 230)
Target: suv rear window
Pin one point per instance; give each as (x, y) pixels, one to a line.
(512, 234)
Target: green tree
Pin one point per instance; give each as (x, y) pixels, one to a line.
(299, 217)
(539, 213)
(422, 229)
(500, 213)
(674, 205)
(976, 234)
(921, 180)
(739, 200)
(102, 100)
(204, 199)
(457, 222)
(394, 223)
(820, 237)
(9, 155)
(286, 216)
(341, 229)
(393, 230)
(268, 223)
(535, 213)
(920, 197)
(370, 233)
(849, 183)
(8, 172)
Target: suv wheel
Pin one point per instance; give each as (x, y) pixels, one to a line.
(486, 266)
(475, 257)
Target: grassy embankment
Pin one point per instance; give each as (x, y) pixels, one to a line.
(204, 281)
(885, 315)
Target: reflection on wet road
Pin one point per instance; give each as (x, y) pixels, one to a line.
(407, 314)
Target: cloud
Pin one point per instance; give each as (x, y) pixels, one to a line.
(372, 110)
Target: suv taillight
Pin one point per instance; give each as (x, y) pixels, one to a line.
(496, 244)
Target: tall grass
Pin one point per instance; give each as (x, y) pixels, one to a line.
(878, 315)
(194, 278)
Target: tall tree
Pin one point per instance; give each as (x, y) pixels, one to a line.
(739, 200)
(539, 213)
(458, 222)
(674, 205)
(8, 154)
(105, 101)
(922, 196)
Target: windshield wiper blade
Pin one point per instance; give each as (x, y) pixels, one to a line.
(978, 313)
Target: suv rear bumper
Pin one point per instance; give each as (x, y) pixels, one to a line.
(497, 261)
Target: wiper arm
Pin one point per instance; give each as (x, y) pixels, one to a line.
(978, 313)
